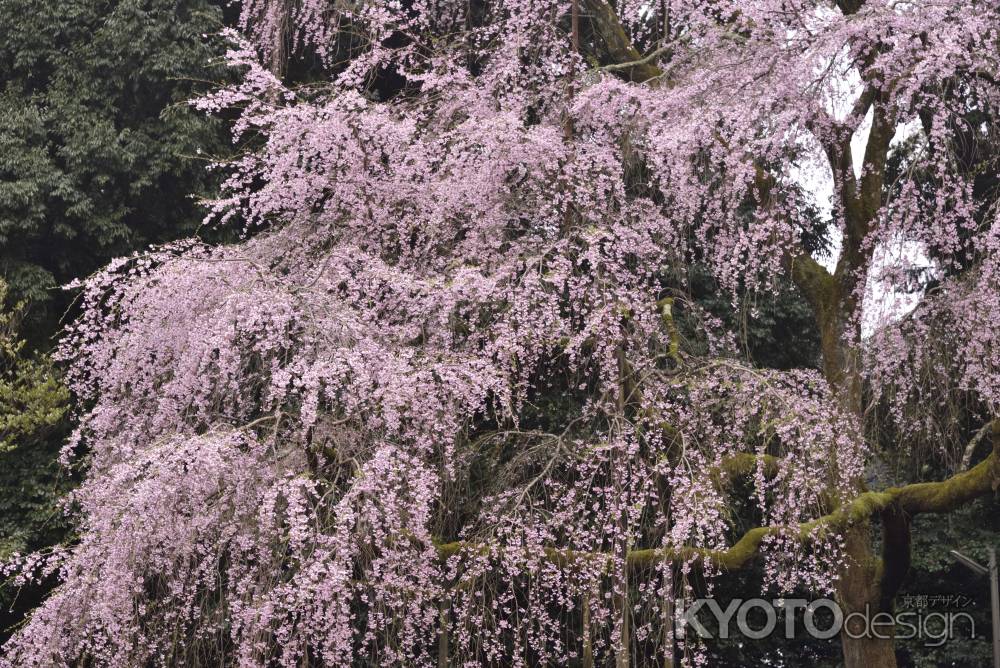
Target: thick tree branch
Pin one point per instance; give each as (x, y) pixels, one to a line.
(873, 164)
(896, 503)
(933, 498)
(620, 50)
(860, 108)
(645, 60)
(812, 278)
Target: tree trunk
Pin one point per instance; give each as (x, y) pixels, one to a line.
(859, 581)
(858, 591)
(868, 652)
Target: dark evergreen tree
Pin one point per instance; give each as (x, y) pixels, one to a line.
(100, 153)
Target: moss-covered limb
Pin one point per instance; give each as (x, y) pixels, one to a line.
(947, 495)
(743, 465)
(742, 552)
(666, 308)
(936, 497)
(815, 282)
(895, 506)
(617, 45)
(956, 491)
(733, 559)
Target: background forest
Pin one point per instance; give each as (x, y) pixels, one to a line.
(101, 155)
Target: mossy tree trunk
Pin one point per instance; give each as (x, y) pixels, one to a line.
(859, 586)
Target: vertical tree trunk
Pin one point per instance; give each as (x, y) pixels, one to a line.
(667, 612)
(623, 658)
(858, 585)
(444, 651)
(281, 18)
(858, 591)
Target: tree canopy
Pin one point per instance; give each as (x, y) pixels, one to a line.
(450, 401)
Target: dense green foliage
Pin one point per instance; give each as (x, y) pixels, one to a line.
(32, 400)
(33, 411)
(99, 152)
(34, 406)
